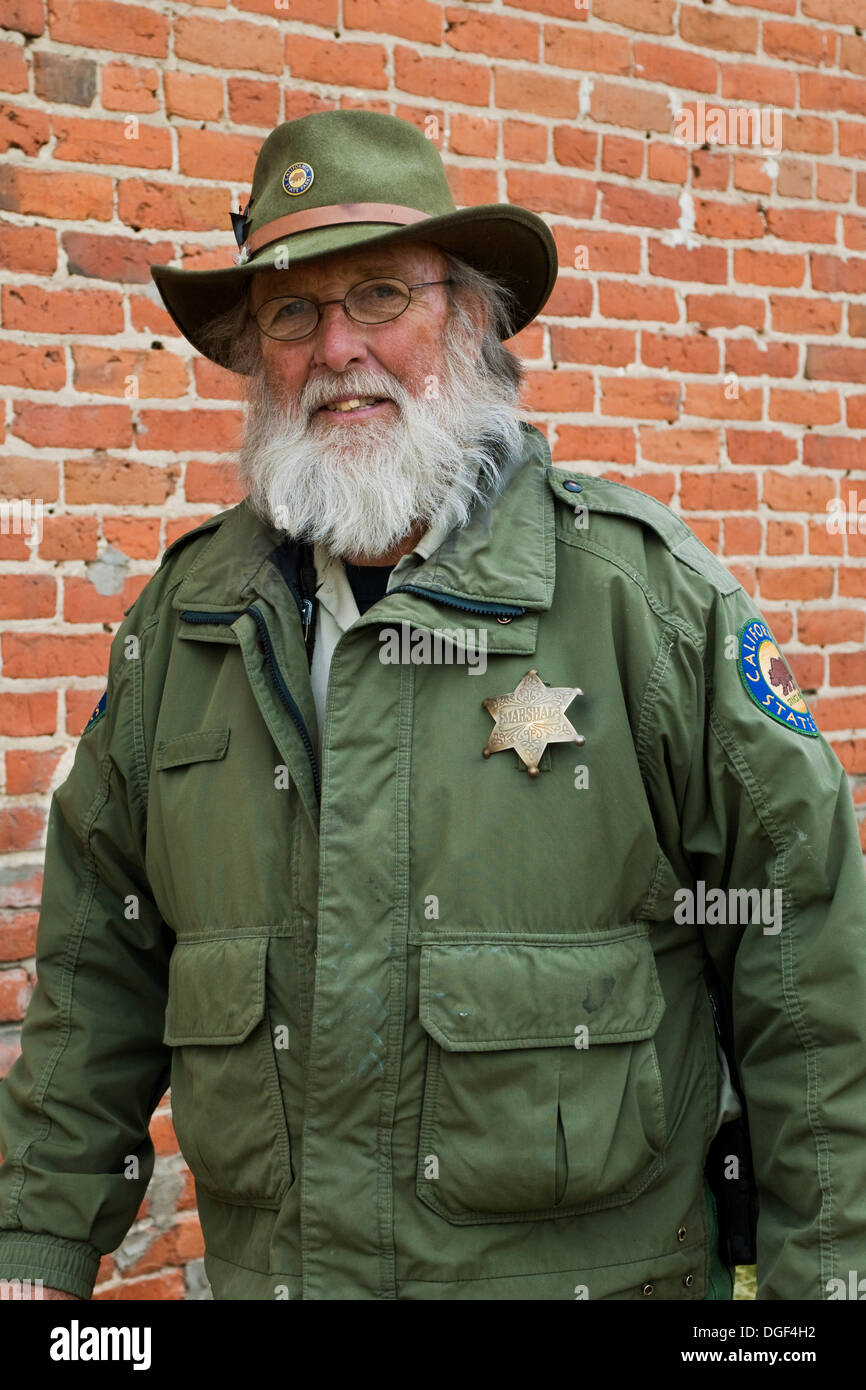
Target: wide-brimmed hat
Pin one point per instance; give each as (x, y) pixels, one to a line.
(342, 180)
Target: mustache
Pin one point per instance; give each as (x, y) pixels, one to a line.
(324, 390)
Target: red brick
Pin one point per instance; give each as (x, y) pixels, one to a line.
(842, 712)
(638, 207)
(805, 407)
(202, 151)
(36, 310)
(442, 79)
(658, 485)
(120, 482)
(606, 443)
(74, 197)
(30, 770)
(562, 193)
(59, 78)
(831, 92)
(112, 142)
(703, 263)
(420, 21)
(748, 358)
(104, 24)
(152, 1288)
(491, 35)
(79, 707)
(650, 398)
(715, 402)
(194, 95)
(18, 929)
(837, 275)
(678, 446)
(828, 362)
(834, 451)
(620, 299)
(822, 627)
(803, 317)
(676, 67)
(216, 483)
(147, 317)
(732, 33)
(680, 353)
(42, 655)
(807, 135)
(789, 492)
(728, 220)
(28, 714)
(20, 828)
(27, 596)
(322, 12)
(473, 135)
(769, 268)
(519, 89)
(785, 538)
(668, 164)
(848, 668)
(179, 526)
(620, 154)
(13, 68)
(253, 103)
(608, 347)
(229, 43)
(136, 536)
(649, 16)
(189, 429)
(165, 206)
(83, 603)
(834, 185)
(73, 426)
(525, 141)
(114, 257)
(625, 104)
(571, 298)
(130, 374)
(577, 148)
(23, 128)
(799, 43)
(32, 368)
(719, 492)
(558, 390)
(724, 311)
(215, 382)
(24, 16)
(759, 83)
(742, 535)
(32, 249)
(126, 88)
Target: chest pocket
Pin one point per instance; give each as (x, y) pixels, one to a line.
(542, 1094)
(202, 745)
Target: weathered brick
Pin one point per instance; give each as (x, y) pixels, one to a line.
(59, 78)
(105, 24)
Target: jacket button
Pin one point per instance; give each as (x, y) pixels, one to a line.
(572, 487)
(688, 1280)
(681, 1233)
(647, 1289)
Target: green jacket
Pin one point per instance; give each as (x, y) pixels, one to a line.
(435, 1028)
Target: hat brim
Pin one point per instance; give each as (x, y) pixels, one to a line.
(510, 243)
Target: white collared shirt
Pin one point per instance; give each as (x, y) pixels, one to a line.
(337, 609)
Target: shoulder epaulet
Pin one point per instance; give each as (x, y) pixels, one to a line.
(179, 541)
(618, 499)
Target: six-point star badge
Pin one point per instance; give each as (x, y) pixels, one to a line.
(529, 718)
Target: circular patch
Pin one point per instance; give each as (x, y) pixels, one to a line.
(767, 677)
(297, 178)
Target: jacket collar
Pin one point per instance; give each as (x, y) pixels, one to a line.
(504, 555)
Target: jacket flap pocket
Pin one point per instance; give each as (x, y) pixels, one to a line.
(216, 991)
(488, 996)
(194, 747)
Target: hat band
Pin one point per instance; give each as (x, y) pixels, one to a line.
(331, 216)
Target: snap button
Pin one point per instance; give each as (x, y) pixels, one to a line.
(681, 1233)
(572, 487)
(503, 620)
(647, 1289)
(688, 1280)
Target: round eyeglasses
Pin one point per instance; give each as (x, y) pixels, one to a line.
(372, 301)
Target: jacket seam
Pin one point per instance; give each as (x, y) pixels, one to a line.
(604, 552)
(793, 1006)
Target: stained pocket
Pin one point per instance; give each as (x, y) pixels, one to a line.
(225, 1091)
(542, 1094)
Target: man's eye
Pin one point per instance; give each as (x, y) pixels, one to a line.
(293, 308)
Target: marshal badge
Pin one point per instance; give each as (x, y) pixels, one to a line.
(768, 680)
(529, 718)
(297, 178)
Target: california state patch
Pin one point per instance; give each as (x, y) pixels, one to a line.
(767, 678)
(98, 711)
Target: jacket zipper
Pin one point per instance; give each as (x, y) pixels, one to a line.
(497, 610)
(276, 674)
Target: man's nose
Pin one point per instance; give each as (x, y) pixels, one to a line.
(338, 340)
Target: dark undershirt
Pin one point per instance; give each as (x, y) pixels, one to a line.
(367, 582)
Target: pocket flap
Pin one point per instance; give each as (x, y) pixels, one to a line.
(194, 747)
(487, 996)
(216, 991)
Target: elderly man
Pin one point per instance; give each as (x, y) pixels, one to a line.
(452, 834)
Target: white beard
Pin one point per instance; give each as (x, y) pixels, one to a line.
(358, 488)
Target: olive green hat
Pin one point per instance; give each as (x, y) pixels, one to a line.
(340, 180)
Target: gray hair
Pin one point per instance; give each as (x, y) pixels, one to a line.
(232, 337)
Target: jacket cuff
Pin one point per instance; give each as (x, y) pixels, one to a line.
(68, 1265)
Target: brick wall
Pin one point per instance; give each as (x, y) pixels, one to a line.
(706, 341)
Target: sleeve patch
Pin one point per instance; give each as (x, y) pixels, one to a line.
(98, 712)
(768, 681)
